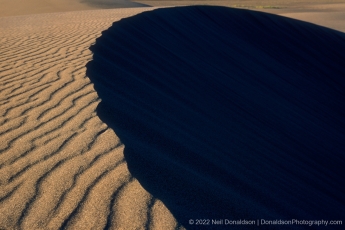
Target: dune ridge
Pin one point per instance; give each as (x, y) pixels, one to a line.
(227, 113)
(61, 167)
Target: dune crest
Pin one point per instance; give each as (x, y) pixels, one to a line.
(227, 113)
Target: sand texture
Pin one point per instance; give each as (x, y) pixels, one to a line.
(20, 7)
(328, 15)
(60, 165)
(174, 114)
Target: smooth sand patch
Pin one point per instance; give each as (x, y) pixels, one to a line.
(328, 15)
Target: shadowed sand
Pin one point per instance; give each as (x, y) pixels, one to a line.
(206, 143)
(113, 3)
(227, 113)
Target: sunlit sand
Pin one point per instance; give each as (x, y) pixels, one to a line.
(113, 124)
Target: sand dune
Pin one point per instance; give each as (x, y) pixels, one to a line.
(60, 165)
(218, 113)
(227, 113)
(333, 20)
(113, 3)
(19, 7)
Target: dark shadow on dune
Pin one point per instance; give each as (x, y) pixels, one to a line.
(113, 3)
(227, 113)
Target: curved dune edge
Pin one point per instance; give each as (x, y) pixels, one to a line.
(113, 3)
(227, 113)
(61, 167)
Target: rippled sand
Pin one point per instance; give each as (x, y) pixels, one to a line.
(61, 166)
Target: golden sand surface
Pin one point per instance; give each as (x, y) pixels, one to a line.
(18, 7)
(328, 15)
(60, 165)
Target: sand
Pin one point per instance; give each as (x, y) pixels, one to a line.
(19, 7)
(241, 119)
(61, 166)
(331, 15)
(65, 163)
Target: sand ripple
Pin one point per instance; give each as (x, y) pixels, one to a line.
(60, 165)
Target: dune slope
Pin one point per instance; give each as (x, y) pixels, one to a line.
(227, 113)
(113, 3)
(19, 7)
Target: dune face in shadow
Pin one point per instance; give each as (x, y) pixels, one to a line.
(227, 113)
(113, 3)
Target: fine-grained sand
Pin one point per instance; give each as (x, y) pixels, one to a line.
(61, 166)
(20, 7)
